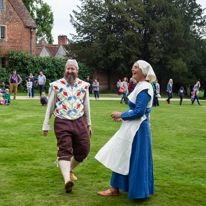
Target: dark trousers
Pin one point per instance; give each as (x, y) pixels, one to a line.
(32, 91)
(170, 95)
(41, 89)
(181, 98)
(44, 102)
(96, 94)
(72, 138)
(197, 98)
(124, 96)
(155, 101)
(118, 91)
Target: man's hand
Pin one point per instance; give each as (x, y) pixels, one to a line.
(89, 131)
(45, 132)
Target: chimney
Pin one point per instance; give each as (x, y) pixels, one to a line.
(62, 39)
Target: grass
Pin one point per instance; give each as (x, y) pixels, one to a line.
(30, 177)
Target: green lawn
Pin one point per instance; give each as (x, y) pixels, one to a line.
(30, 177)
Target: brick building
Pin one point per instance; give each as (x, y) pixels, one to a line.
(18, 29)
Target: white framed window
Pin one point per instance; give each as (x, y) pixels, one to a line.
(3, 32)
(3, 62)
(1, 4)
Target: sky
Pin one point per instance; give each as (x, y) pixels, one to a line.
(63, 8)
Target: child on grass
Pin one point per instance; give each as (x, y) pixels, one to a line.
(1, 99)
(7, 97)
(29, 87)
(192, 96)
(43, 99)
(181, 94)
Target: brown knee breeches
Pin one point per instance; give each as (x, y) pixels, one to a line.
(72, 138)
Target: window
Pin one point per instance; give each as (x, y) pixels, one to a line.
(2, 32)
(3, 62)
(1, 4)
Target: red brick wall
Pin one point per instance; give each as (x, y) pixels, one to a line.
(18, 36)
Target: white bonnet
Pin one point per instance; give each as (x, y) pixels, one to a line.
(147, 70)
(72, 62)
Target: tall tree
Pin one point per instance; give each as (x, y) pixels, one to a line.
(43, 16)
(113, 34)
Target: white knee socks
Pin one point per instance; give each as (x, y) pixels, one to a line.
(65, 169)
(74, 163)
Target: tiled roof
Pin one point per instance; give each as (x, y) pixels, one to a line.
(38, 49)
(52, 49)
(23, 13)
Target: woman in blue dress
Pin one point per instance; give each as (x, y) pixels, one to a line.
(138, 181)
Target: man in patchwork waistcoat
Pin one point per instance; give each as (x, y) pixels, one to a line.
(69, 102)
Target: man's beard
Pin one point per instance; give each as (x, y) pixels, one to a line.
(70, 79)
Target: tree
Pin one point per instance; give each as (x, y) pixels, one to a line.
(43, 16)
(113, 34)
(108, 35)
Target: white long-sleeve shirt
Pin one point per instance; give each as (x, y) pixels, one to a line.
(52, 104)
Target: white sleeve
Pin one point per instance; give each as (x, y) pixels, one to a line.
(50, 108)
(87, 108)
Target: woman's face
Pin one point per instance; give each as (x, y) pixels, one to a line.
(137, 72)
(198, 83)
(31, 74)
(95, 80)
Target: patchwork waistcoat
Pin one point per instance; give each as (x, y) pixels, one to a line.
(70, 100)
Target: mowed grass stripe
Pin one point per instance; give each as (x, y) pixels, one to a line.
(30, 177)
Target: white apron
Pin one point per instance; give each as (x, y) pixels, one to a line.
(115, 154)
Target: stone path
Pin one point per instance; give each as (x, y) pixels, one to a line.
(106, 98)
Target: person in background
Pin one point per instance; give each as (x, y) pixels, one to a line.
(196, 89)
(2, 88)
(169, 90)
(33, 80)
(95, 86)
(124, 86)
(41, 81)
(131, 85)
(119, 83)
(7, 97)
(154, 98)
(90, 82)
(29, 86)
(181, 94)
(2, 101)
(157, 92)
(43, 99)
(192, 96)
(14, 81)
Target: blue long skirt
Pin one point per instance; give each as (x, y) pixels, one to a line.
(139, 183)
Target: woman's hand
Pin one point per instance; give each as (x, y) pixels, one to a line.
(116, 115)
(118, 119)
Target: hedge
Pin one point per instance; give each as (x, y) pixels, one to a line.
(24, 63)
